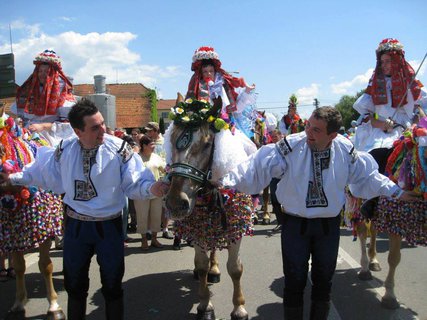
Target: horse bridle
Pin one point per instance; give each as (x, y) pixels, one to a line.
(188, 171)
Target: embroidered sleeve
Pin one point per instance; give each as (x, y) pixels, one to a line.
(283, 147)
(353, 154)
(125, 152)
(58, 151)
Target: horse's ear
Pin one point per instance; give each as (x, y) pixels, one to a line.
(179, 98)
(217, 104)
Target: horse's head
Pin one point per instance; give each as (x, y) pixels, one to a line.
(192, 147)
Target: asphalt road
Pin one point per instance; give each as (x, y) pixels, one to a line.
(159, 284)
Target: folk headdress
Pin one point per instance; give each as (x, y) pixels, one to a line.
(44, 99)
(402, 75)
(291, 121)
(197, 85)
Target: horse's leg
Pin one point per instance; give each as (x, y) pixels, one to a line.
(46, 269)
(374, 264)
(214, 274)
(18, 308)
(205, 309)
(389, 300)
(235, 270)
(362, 233)
(266, 214)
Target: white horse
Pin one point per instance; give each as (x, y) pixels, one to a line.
(211, 218)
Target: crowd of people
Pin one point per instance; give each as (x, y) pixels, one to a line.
(118, 185)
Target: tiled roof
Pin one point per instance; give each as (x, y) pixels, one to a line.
(132, 107)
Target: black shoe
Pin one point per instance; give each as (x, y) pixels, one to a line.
(319, 310)
(177, 243)
(148, 235)
(277, 228)
(167, 235)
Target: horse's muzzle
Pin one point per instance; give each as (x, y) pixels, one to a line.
(178, 207)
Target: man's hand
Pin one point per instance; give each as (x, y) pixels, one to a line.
(410, 196)
(38, 127)
(160, 189)
(249, 88)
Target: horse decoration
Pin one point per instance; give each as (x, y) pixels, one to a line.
(213, 218)
(255, 124)
(406, 166)
(29, 217)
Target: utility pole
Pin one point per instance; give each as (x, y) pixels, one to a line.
(316, 103)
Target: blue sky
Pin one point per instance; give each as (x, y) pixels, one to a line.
(315, 49)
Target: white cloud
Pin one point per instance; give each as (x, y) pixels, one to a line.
(416, 64)
(361, 80)
(352, 86)
(66, 19)
(86, 55)
(306, 95)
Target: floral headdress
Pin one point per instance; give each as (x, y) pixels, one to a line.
(390, 44)
(193, 113)
(205, 53)
(49, 57)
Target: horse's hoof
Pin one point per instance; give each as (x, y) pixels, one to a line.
(205, 315)
(15, 315)
(364, 275)
(234, 317)
(214, 278)
(56, 315)
(390, 303)
(265, 221)
(374, 266)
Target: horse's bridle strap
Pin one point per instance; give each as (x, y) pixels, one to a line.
(188, 171)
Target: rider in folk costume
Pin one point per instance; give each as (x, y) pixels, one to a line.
(210, 81)
(388, 106)
(389, 103)
(290, 122)
(45, 98)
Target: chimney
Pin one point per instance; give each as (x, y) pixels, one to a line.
(100, 86)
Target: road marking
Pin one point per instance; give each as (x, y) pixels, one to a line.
(402, 313)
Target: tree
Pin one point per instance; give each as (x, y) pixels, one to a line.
(152, 96)
(345, 107)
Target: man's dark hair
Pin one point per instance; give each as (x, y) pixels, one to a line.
(332, 117)
(80, 110)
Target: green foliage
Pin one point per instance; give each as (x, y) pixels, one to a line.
(345, 106)
(152, 96)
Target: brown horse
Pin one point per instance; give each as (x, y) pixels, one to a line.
(19, 217)
(401, 220)
(205, 213)
(259, 138)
